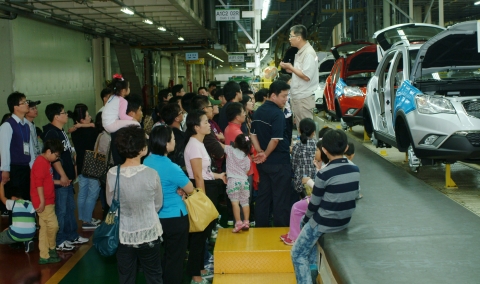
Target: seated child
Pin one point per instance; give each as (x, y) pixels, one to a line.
(300, 207)
(23, 221)
(42, 192)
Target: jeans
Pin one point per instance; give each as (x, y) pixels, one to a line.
(65, 211)
(304, 253)
(89, 189)
(148, 254)
(273, 192)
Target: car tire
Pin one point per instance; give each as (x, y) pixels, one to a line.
(367, 122)
(338, 111)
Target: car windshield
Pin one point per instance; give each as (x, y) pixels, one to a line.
(451, 74)
(410, 33)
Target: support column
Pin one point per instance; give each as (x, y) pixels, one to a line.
(440, 13)
(175, 68)
(107, 60)
(410, 10)
(97, 65)
(429, 17)
(417, 14)
(386, 14)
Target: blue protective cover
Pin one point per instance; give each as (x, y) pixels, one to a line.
(405, 98)
(339, 87)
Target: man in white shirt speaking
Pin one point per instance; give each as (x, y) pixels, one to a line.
(304, 74)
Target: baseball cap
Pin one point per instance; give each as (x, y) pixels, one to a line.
(214, 102)
(33, 103)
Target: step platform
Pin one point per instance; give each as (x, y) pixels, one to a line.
(256, 251)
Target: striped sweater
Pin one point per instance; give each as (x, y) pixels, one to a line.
(333, 197)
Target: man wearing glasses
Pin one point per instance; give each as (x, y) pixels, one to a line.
(30, 116)
(16, 149)
(304, 74)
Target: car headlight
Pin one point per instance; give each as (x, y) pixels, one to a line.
(352, 92)
(431, 105)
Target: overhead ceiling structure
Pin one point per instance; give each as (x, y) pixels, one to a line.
(150, 22)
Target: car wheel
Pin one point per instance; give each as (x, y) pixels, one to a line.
(367, 122)
(338, 111)
(324, 105)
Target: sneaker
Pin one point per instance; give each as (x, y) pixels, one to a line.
(49, 260)
(283, 237)
(288, 241)
(209, 267)
(238, 227)
(204, 281)
(52, 253)
(218, 227)
(28, 246)
(252, 224)
(96, 221)
(230, 223)
(89, 226)
(65, 246)
(246, 225)
(213, 235)
(211, 260)
(207, 275)
(79, 241)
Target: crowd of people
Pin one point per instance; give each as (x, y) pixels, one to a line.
(234, 144)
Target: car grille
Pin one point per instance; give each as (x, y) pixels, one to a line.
(472, 107)
(474, 138)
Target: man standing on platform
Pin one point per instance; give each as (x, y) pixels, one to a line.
(16, 149)
(270, 140)
(304, 74)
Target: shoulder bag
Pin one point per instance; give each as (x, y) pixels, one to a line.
(105, 237)
(201, 211)
(95, 164)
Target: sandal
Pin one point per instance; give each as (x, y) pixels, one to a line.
(238, 227)
(246, 225)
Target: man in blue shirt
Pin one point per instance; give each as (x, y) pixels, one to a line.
(269, 138)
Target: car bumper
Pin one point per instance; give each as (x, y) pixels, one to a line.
(454, 148)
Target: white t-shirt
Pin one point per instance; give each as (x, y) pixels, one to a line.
(195, 149)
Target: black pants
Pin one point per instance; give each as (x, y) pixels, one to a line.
(289, 126)
(19, 185)
(274, 190)
(196, 248)
(175, 242)
(148, 254)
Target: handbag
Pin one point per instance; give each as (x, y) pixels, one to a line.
(201, 211)
(105, 237)
(95, 163)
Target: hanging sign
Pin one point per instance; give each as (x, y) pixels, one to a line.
(198, 61)
(227, 15)
(236, 58)
(191, 56)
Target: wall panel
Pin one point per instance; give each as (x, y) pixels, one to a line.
(52, 64)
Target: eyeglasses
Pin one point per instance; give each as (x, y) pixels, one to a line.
(209, 106)
(23, 103)
(63, 112)
(181, 113)
(290, 36)
(57, 155)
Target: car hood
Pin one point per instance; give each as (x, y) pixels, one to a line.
(348, 48)
(412, 32)
(455, 47)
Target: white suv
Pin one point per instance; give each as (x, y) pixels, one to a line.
(425, 96)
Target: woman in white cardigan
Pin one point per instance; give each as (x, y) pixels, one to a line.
(140, 199)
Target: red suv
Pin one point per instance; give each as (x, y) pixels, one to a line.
(345, 87)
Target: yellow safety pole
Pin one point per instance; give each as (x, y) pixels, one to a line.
(449, 183)
(365, 136)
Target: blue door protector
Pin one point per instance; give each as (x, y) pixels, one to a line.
(405, 98)
(339, 87)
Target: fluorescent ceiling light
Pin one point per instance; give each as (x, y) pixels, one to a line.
(214, 57)
(180, 38)
(127, 11)
(476, 3)
(147, 21)
(42, 13)
(265, 8)
(73, 23)
(98, 30)
(117, 35)
(162, 28)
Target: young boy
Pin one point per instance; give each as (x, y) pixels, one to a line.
(332, 203)
(42, 191)
(23, 221)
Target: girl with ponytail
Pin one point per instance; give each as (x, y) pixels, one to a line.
(114, 114)
(303, 153)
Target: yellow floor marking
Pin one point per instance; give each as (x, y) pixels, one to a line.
(65, 269)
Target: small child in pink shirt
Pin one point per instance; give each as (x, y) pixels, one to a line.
(238, 187)
(114, 115)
